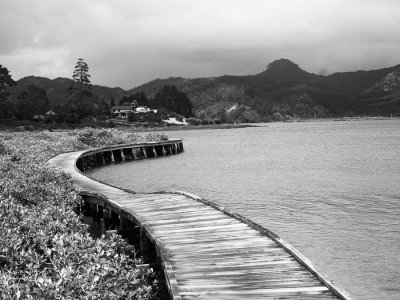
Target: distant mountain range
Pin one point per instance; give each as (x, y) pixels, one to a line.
(345, 93)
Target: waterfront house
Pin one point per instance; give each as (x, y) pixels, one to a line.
(121, 111)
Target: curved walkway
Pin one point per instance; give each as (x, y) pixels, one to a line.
(206, 251)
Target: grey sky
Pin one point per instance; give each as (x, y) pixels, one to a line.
(129, 42)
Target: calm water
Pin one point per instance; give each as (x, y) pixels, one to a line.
(331, 189)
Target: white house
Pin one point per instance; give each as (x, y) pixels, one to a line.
(121, 111)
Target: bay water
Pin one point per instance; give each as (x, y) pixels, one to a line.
(329, 188)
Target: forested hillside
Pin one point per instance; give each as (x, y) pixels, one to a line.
(283, 90)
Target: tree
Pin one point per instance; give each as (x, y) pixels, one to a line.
(112, 102)
(33, 101)
(81, 74)
(5, 78)
(173, 100)
(141, 98)
(7, 108)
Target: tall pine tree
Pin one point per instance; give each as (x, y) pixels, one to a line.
(81, 72)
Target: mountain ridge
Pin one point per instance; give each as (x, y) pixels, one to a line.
(338, 93)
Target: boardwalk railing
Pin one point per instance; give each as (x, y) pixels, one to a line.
(206, 251)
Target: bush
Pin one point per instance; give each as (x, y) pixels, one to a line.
(193, 121)
(3, 149)
(132, 117)
(45, 251)
(205, 122)
(104, 137)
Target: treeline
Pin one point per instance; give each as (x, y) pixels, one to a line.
(80, 102)
(33, 104)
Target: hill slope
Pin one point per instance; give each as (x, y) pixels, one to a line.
(338, 93)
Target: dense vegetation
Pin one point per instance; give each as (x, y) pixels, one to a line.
(45, 250)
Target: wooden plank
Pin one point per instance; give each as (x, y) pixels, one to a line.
(229, 227)
(183, 220)
(265, 291)
(194, 223)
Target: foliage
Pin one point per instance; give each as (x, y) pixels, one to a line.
(173, 100)
(104, 137)
(132, 117)
(45, 251)
(5, 78)
(299, 106)
(193, 121)
(31, 102)
(139, 97)
(112, 102)
(151, 116)
(7, 108)
(81, 103)
(81, 72)
(224, 112)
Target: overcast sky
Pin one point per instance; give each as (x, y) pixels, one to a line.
(129, 42)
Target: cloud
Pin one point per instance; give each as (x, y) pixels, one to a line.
(127, 43)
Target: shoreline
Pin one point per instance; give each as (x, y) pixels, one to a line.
(37, 126)
(263, 124)
(191, 127)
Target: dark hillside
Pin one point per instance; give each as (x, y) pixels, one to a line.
(282, 87)
(354, 83)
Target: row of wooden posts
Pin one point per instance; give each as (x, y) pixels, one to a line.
(104, 220)
(103, 157)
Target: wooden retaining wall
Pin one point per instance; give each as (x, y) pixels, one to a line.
(206, 251)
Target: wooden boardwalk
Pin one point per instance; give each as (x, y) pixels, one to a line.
(206, 251)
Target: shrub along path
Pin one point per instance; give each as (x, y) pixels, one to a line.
(209, 252)
(46, 251)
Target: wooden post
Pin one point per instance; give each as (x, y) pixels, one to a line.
(99, 158)
(122, 155)
(84, 164)
(164, 152)
(105, 221)
(144, 152)
(115, 219)
(93, 210)
(86, 209)
(123, 223)
(94, 215)
(92, 161)
(112, 156)
(144, 244)
(154, 151)
(126, 229)
(134, 154)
